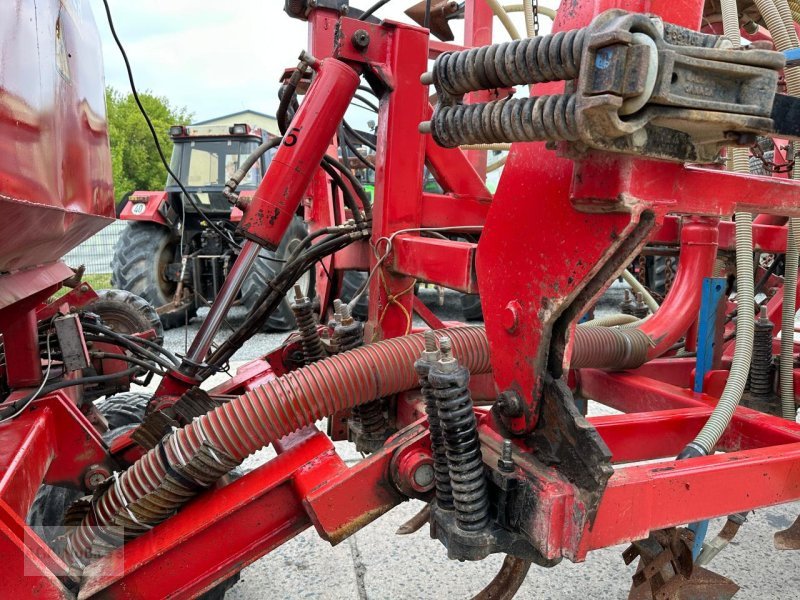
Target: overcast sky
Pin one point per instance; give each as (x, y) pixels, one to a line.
(213, 56)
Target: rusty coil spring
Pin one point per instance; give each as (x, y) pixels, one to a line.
(441, 472)
(348, 336)
(265, 414)
(313, 350)
(462, 447)
(532, 60)
(761, 365)
(371, 416)
(541, 118)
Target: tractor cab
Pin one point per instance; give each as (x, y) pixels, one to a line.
(205, 157)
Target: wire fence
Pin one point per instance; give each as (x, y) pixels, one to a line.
(96, 253)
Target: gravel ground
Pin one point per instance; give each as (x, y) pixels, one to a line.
(376, 564)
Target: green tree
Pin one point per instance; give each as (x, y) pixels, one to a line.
(134, 157)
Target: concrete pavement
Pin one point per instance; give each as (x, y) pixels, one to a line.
(376, 564)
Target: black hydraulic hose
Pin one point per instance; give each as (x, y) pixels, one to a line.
(369, 104)
(349, 200)
(358, 136)
(362, 194)
(150, 126)
(371, 10)
(129, 359)
(19, 404)
(286, 94)
(361, 158)
(276, 290)
(117, 338)
(154, 346)
(241, 172)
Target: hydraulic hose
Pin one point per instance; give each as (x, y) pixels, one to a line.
(194, 457)
(631, 347)
(501, 14)
(785, 42)
(713, 429)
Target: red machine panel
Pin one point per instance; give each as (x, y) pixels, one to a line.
(55, 169)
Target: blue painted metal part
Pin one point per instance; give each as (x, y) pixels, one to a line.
(700, 529)
(792, 57)
(713, 294)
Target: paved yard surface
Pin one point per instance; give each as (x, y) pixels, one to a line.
(377, 564)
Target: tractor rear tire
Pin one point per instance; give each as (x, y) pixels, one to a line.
(121, 410)
(263, 270)
(141, 256)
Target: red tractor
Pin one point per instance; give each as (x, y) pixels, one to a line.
(177, 250)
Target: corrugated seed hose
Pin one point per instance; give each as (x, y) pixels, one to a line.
(786, 39)
(194, 457)
(713, 429)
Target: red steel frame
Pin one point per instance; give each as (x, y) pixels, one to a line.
(308, 484)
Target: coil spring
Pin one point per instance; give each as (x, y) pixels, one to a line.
(441, 472)
(540, 118)
(532, 60)
(371, 416)
(270, 411)
(761, 365)
(462, 448)
(348, 336)
(313, 350)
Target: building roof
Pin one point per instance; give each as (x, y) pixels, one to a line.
(233, 114)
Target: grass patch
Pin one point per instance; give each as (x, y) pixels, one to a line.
(98, 281)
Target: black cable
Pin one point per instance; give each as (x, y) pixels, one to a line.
(359, 189)
(129, 359)
(366, 141)
(155, 135)
(361, 158)
(427, 21)
(372, 106)
(349, 200)
(20, 404)
(154, 346)
(299, 262)
(286, 95)
(369, 12)
(118, 339)
(362, 107)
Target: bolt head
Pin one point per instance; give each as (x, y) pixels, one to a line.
(95, 475)
(423, 476)
(510, 404)
(510, 316)
(360, 39)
